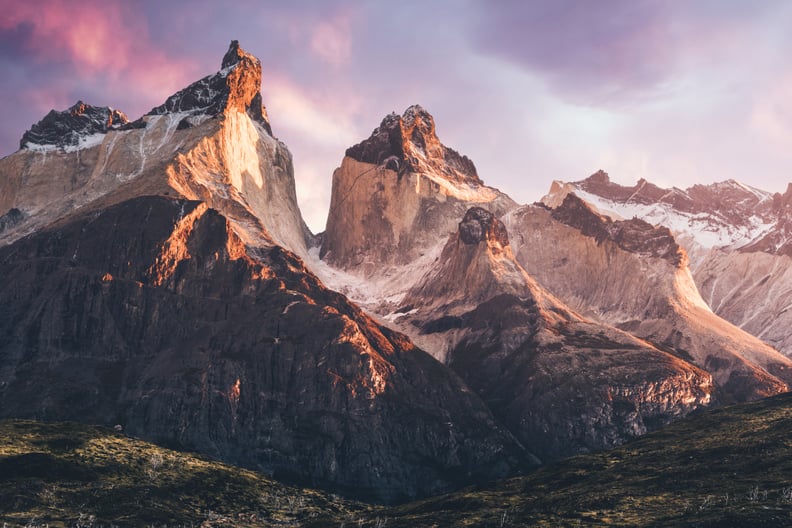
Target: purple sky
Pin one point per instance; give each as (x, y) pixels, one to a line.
(675, 92)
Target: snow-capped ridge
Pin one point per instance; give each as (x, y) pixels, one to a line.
(726, 214)
(633, 235)
(210, 142)
(236, 86)
(80, 126)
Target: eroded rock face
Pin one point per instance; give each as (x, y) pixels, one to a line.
(72, 126)
(236, 87)
(638, 288)
(634, 235)
(561, 383)
(209, 142)
(154, 315)
(734, 235)
(479, 225)
(410, 144)
(398, 195)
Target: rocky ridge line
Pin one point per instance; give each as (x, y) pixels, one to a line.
(71, 126)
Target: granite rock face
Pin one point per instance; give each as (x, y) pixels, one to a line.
(398, 195)
(643, 287)
(409, 143)
(634, 235)
(209, 142)
(68, 128)
(738, 239)
(236, 87)
(154, 315)
(479, 225)
(563, 384)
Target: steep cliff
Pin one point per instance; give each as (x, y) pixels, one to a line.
(210, 142)
(398, 193)
(396, 198)
(561, 383)
(153, 314)
(739, 240)
(635, 276)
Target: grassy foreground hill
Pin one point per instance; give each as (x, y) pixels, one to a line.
(66, 474)
(727, 467)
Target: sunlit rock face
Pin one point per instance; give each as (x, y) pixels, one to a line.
(154, 314)
(398, 194)
(211, 142)
(154, 280)
(739, 240)
(563, 384)
(634, 276)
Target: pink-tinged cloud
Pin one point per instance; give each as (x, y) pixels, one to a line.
(332, 39)
(102, 39)
(771, 115)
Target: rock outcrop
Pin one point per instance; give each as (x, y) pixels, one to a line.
(561, 383)
(236, 87)
(399, 193)
(209, 142)
(153, 314)
(643, 287)
(739, 240)
(409, 143)
(72, 128)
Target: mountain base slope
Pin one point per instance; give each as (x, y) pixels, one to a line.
(727, 467)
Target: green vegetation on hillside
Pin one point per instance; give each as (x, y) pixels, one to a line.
(68, 474)
(728, 467)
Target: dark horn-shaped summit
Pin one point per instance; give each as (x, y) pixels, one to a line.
(479, 225)
(72, 126)
(235, 87)
(412, 139)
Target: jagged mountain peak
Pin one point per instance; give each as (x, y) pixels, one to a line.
(517, 344)
(633, 235)
(475, 265)
(234, 54)
(397, 196)
(409, 143)
(599, 177)
(210, 141)
(235, 87)
(480, 225)
(783, 201)
(74, 127)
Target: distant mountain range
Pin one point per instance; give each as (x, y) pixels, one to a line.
(739, 240)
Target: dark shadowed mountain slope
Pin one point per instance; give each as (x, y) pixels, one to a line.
(154, 315)
(724, 468)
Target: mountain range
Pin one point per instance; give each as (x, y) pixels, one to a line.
(739, 240)
(159, 277)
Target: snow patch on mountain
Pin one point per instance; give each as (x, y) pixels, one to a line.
(380, 294)
(84, 142)
(704, 229)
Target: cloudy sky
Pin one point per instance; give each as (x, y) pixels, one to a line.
(675, 92)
